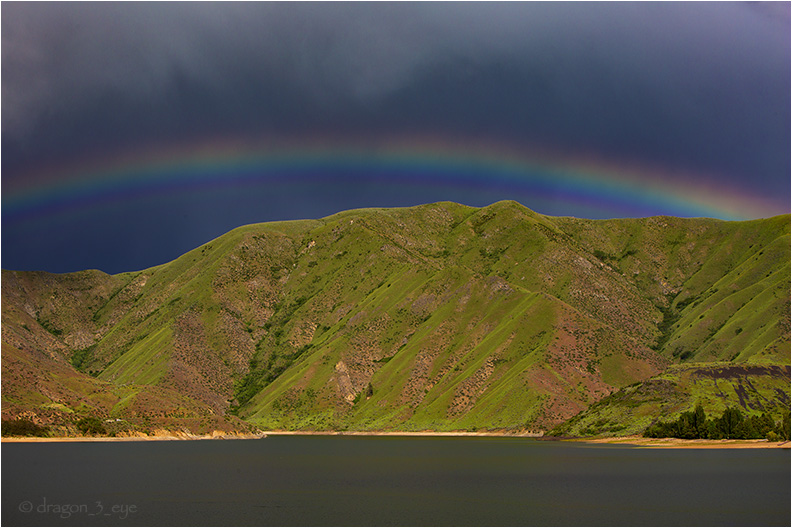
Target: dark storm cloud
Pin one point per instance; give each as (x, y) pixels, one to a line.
(59, 58)
(692, 86)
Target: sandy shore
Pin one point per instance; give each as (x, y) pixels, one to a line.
(402, 433)
(634, 441)
(220, 436)
(140, 438)
(640, 441)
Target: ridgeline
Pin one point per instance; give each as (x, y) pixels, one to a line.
(437, 317)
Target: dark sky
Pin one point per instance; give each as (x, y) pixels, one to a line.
(689, 93)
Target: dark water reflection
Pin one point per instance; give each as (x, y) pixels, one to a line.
(377, 481)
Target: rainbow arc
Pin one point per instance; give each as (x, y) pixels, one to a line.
(532, 176)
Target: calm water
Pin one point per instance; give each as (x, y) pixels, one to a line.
(390, 481)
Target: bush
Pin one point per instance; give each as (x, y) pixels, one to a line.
(91, 425)
(23, 427)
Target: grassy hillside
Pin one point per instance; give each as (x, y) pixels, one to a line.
(433, 317)
(754, 388)
(50, 392)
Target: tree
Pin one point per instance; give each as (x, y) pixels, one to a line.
(746, 429)
(714, 431)
(700, 422)
(764, 424)
(729, 422)
(782, 428)
(685, 426)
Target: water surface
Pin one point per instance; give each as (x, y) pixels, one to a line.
(379, 481)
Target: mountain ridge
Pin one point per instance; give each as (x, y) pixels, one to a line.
(438, 316)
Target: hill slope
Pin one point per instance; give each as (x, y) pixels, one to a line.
(439, 316)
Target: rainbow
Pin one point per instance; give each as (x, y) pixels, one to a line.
(531, 176)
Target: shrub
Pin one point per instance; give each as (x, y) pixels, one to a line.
(91, 425)
(23, 427)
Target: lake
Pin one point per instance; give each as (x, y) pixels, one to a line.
(380, 481)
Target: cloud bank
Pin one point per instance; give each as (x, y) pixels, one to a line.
(685, 88)
(59, 57)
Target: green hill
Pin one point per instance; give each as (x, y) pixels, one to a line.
(715, 386)
(439, 317)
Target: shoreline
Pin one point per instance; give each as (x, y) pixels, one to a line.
(680, 443)
(131, 438)
(404, 433)
(263, 434)
(627, 441)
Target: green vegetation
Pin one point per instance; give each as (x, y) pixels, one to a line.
(731, 424)
(82, 358)
(439, 317)
(91, 425)
(754, 389)
(23, 427)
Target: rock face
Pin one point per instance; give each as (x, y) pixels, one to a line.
(455, 317)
